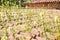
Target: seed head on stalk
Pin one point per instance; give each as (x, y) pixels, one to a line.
(56, 19)
(4, 38)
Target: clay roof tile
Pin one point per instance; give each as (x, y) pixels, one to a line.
(44, 0)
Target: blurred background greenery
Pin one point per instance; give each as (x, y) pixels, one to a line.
(9, 3)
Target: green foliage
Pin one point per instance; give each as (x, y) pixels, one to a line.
(12, 2)
(26, 0)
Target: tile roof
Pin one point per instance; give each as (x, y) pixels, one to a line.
(44, 0)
